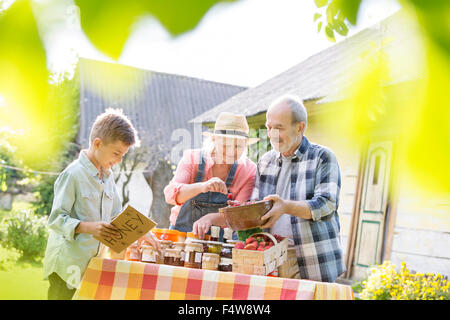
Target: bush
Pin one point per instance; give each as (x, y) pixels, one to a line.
(8, 257)
(385, 283)
(26, 232)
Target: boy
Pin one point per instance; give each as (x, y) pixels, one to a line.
(85, 200)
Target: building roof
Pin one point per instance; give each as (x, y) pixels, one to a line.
(326, 75)
(157, 103)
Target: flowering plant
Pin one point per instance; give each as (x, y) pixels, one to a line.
(386, 283)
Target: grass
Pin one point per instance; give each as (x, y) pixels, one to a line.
(23, 282)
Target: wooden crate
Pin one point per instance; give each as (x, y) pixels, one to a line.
(260, 262)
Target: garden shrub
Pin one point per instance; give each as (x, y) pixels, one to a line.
(386, 283)
(26, 232)
(8, 257)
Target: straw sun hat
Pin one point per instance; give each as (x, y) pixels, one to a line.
(231, 125)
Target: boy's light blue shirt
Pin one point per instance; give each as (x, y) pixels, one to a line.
(79, 195)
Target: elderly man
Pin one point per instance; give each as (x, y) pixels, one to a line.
(303, 180)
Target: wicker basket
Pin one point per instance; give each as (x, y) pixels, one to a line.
(260, 262)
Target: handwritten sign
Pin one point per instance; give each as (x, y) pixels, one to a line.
(131, 225)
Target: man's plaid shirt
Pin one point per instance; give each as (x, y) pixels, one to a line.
(315, 178)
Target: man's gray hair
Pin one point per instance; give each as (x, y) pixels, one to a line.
(299, 113)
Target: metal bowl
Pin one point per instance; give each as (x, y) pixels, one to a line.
(246, 216)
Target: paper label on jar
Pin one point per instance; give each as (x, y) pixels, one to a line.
(182, 256)
(226, 261)
(198, 257)
(215, 231)
(148, 257)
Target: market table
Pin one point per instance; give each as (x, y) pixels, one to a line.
(106, 279)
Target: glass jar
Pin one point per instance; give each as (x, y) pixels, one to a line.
(214, 246)
(180, 247)
(227, 234)
(215, 233)
(226, 264)
(210, 261)
(148, 254)
(227, 251)
(133, 253)
(193, 255)
(165, 244)
(172, 257)
(204, 244)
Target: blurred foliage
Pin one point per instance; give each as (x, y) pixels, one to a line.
(25, 232)
(8, 258)
(24, 80)
(422, 114)
(25, 89)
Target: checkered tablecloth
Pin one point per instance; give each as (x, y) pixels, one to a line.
(106, 279)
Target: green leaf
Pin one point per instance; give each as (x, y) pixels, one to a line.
(350, 9)
(329, 33)
(317, 16)
(340, 27)
(319, 26)
(24, 79)
(108, 23)
(321, 3)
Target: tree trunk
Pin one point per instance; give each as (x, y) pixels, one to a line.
(158, 180)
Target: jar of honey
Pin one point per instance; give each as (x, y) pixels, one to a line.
(180, 247)
(172, 257)
(210, 261)
(133, 253)
(226, 264)
(193, 255)
(165, 244)
(182, 236)
(214, 246)
(215, 233)
(227, 251)
(149, 254)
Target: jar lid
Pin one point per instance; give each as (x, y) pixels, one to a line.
(194, 246)
(183, 234)
(217, 243)
(166, 243)
(172, 253)
(225, 261)
(179, 244)
(211, 256)
(228, 245)
(232, 241)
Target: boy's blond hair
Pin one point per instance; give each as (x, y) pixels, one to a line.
(113, 125)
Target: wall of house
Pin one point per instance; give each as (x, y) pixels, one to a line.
(422, 229)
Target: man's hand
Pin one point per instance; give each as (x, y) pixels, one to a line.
(202, 225)
(99, 229)
(215, 185)
(278, 209)
(150, 238)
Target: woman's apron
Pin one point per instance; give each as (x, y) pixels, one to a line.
(203, 203)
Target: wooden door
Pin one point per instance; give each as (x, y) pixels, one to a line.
(372, 212)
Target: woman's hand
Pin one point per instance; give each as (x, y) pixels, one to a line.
(278, 209)
(215, 184)
(150, 238)
(202, 225)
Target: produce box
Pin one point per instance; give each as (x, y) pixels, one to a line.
(260, 262)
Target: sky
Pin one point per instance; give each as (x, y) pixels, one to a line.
(243, 43)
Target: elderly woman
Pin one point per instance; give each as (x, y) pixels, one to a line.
(206, 178)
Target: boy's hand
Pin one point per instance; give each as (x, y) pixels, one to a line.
(150, 238)
(98, 229)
